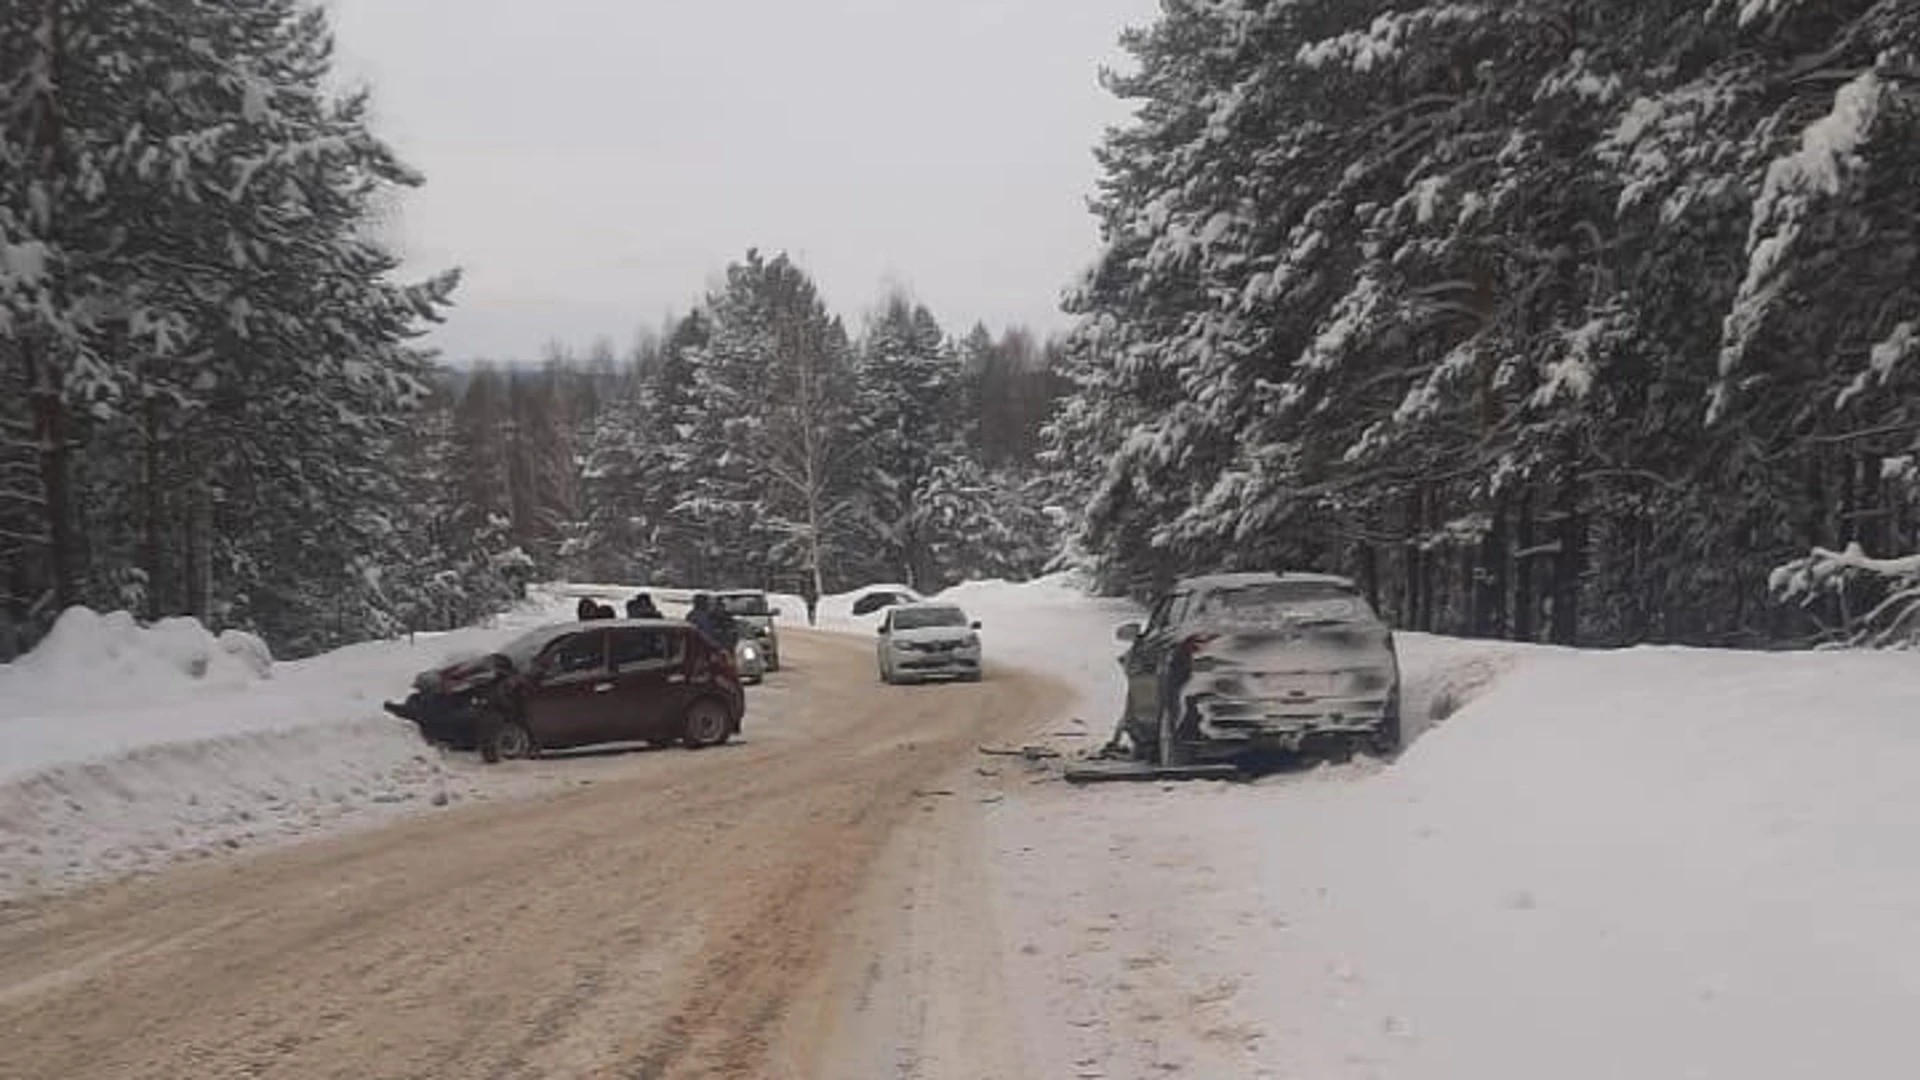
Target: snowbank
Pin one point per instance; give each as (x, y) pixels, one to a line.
(1654, 862)
(109, 659)
(123, 747)
(836, 609)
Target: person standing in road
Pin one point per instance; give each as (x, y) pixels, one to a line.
(701, 616)
(725, 629)
(641, 607)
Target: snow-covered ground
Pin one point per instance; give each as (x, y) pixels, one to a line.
(1654, 862)
(1648, 863)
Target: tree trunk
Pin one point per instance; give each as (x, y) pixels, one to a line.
(1523, 539)
(1369, 562)
(50, 434)
(1849, 530)
(44, 378)
(1491, 579)
(150, 507)
(1430, 561)
(1413, 568)
(1813, 522)
(1567, 566)
(1644, 589)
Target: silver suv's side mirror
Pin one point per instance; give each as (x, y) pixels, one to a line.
(1127, 632)
(775, 613)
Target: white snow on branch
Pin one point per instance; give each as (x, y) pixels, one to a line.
(1387, 39)
(1881, 362)
(1829, 148)
(1829, 153)
(1570, 376)
(1893, 622)
(1752, 11)
(1352, 315)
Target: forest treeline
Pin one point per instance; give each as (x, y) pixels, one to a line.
(1580, 320)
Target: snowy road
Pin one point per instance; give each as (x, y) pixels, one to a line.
(671, 914)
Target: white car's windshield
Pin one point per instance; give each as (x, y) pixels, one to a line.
(749, 604)
(926, 618)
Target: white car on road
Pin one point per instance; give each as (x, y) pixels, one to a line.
(928, 641)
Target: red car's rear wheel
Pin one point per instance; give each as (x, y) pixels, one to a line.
(706, 724)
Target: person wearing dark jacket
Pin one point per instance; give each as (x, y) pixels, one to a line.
(701, 616)
(713, 621)
(641, 607)
(728, 631)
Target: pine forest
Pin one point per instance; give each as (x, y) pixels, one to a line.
(1586, 321)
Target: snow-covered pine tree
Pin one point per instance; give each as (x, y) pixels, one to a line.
(622, 483)
(766, 460)
(676, 534)
(1443, 294)
(723, 502)
(909, 423)
(202, 277)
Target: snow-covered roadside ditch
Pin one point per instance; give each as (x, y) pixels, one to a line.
(1655, 862)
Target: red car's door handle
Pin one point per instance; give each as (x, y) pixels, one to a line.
(601, 688)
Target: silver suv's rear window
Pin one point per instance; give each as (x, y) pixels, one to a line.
(1284, 600)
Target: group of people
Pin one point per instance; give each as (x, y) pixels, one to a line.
(640, 607)
(708, 616)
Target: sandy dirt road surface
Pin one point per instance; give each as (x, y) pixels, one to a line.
(789, 906)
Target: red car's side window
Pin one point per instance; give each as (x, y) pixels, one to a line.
(636, 647)
(582, 652)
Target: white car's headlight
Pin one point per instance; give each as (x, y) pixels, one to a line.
(749, 653)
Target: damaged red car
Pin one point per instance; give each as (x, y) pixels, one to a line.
(582, 684)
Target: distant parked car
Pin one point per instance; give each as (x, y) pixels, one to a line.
(755, 618)
(1233, 663)
(581, 684)
(883, 597)
(922, 641)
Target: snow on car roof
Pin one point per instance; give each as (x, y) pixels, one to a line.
(1259, 577)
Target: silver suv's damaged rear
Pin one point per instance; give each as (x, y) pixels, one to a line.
(1230, 665)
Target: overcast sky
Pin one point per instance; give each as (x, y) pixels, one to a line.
(593, 164)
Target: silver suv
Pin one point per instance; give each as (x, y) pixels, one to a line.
(1232, 663)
